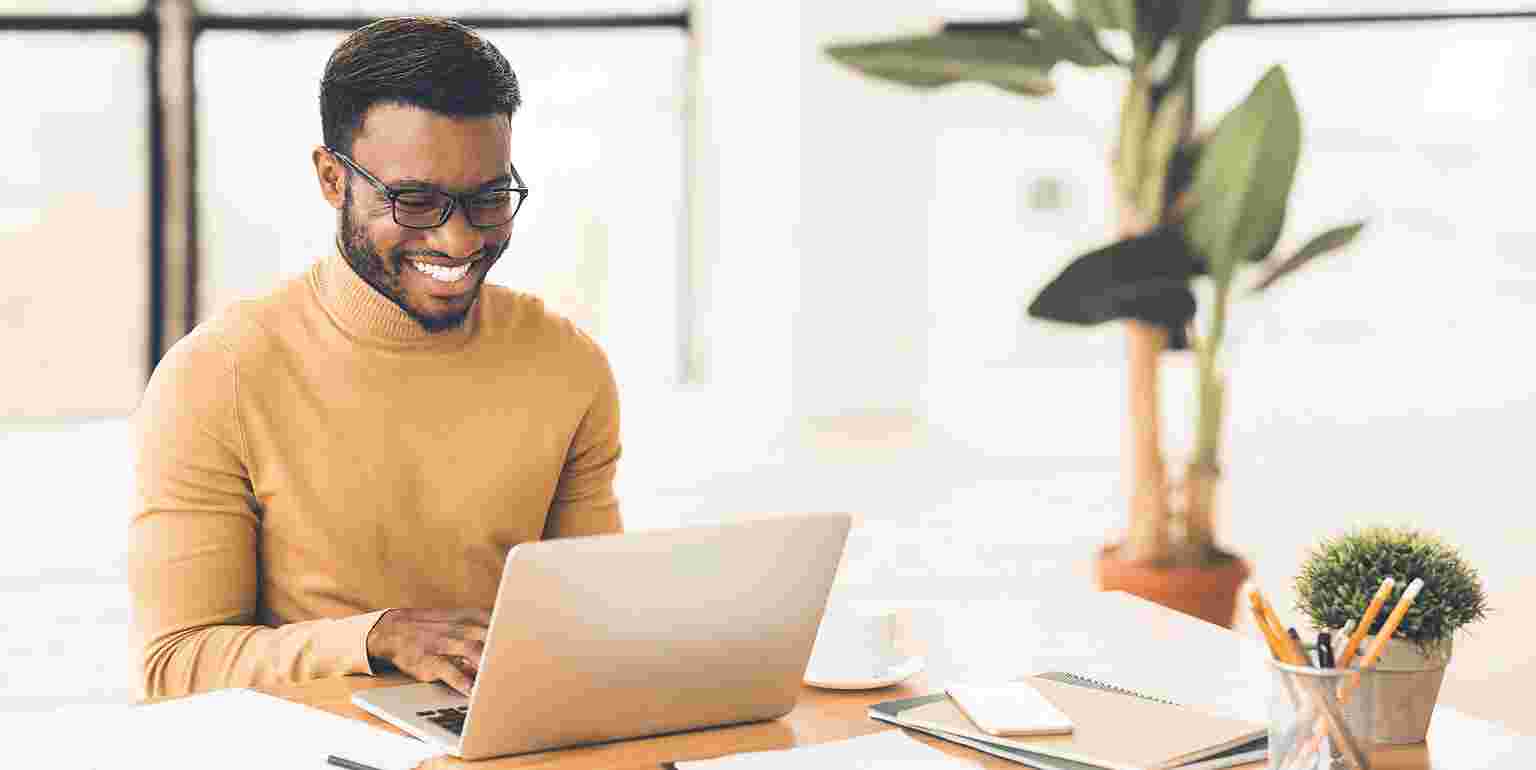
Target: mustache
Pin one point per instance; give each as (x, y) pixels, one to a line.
(488, 250)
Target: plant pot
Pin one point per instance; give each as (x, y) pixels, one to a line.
(1207, 591)
(1407, 687)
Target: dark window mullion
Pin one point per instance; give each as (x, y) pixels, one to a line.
(156, 341)
(136, 22)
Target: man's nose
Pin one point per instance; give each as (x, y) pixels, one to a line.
(457, 237)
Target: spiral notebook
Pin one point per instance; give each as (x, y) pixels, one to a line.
(1114, 729)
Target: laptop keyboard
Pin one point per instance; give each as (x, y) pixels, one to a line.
(450, 719)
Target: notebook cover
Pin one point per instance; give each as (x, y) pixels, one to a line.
(1111, 730)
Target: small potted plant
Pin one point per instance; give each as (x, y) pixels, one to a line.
(1341, 574)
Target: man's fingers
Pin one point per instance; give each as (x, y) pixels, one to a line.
(477, 617)
(450, 674)
(459, 615)
(469, 649)
(472, 633)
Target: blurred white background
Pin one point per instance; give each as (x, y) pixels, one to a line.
(812, 288)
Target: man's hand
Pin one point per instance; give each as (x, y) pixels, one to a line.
(432, 645)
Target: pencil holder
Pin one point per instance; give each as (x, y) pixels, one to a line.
(1319, 719)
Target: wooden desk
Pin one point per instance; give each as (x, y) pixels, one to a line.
(1456, 741)
(1032, 635)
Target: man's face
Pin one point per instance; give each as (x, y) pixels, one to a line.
(412, 148)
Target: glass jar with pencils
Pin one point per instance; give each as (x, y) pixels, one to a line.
(1315, 730)
(1321, 718)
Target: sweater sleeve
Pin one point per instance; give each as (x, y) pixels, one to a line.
(585, 502)
(194, 543)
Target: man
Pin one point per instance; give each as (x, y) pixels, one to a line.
(330, 477)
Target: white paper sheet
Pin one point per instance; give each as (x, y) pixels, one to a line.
(889, 749)
(226, 729)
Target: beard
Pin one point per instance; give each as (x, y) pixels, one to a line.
(384, 275)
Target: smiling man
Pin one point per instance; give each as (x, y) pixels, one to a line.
(330, 477)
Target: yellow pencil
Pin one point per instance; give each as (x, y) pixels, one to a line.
(1273, 642)
(1287, 644)
(1347, 654)
(1263, 624)
(1387, 629)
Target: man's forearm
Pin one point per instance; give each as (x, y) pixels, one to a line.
(214, 656)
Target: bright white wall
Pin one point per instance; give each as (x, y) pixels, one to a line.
(867, 159)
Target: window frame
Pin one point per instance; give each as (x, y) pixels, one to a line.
(170, 29)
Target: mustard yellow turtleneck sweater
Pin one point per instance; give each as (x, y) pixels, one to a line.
(312, 458)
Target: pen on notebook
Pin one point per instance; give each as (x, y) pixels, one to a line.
(348, 764)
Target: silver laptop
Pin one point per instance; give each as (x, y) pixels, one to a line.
(602, 638)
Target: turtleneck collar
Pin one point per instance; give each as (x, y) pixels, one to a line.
(364, 313)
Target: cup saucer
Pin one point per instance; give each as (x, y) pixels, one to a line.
(877, 674)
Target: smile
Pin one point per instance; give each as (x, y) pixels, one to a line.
(444, 274)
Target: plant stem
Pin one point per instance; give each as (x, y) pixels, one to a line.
(1204, 470)
(1147, 540)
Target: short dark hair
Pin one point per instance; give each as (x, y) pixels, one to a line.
(420, 61)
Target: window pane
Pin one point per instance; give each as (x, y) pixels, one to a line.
(599, 140)
(73, 215)
(444, 8)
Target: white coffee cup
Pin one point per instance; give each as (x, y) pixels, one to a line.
(855, 644)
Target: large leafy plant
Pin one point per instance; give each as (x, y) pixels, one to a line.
(1191, 212)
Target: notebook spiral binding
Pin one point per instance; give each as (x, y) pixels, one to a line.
(1083, 681)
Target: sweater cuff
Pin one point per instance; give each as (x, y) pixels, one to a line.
(359, 627)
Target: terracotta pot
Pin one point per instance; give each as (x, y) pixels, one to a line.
(1208, 591)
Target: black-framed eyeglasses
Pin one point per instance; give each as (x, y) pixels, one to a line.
(424, 208)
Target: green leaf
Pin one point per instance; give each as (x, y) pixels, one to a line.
(1332, 240)
(1155, 19)
(1204, 17)
(1198, 20)
(1074, 40)
(1108, 14)
(1011, 61)
(1243, 180)
(1146, 278)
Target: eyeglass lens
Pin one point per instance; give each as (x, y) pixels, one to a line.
(429, 208)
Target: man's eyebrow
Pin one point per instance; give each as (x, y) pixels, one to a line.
(422, 184)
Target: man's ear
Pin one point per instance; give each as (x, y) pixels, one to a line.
(332, 177)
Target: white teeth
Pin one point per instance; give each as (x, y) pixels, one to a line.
(444, 274)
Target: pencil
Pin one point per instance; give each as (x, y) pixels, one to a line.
(1292, 655)
(1263, 624)
(1348, 653)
